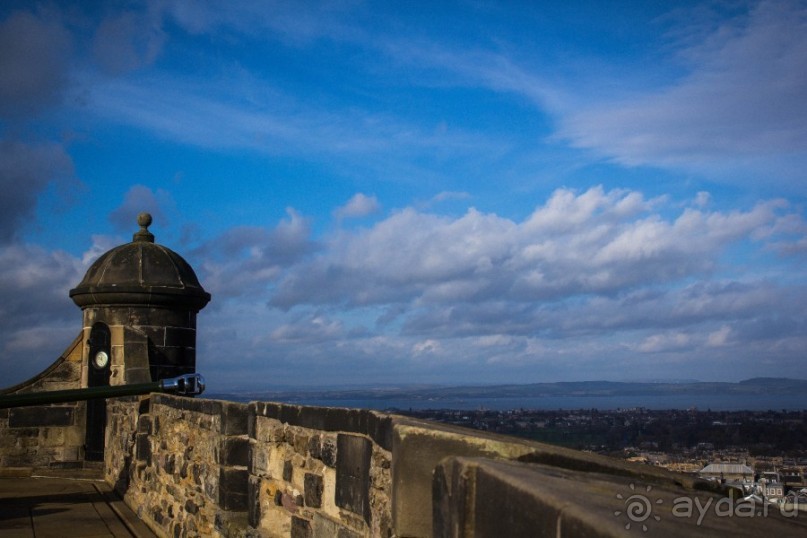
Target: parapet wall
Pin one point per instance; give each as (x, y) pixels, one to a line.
(202, 467)
(46, 437)
(195, 467)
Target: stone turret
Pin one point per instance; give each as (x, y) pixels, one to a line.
(139, 303)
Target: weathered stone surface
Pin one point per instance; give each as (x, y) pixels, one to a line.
(328, 451)
(285, 479)
(324, 527)
(313, 490)
(377, 426)
(315, 446)
(180, 337)
(25, 417)
(235, 451)
(419, 446)
(153, 326)
(145, 424)
(288, 470)
(143, 448)
(69, 372)
(254, 499)
(141, 273)
(236, 419)
(190, 507)
(417, 449)
(233, 489)
(300, 528)
(482, 497)
(353, 455)
(197, 405)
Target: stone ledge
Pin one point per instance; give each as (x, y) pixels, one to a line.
(481, 497)
(377, 426)
(80, 470)
(16, 472)
(418, 447)
(235, 418)
(197, 405)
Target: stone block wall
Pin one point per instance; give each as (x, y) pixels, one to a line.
(319, 472)
(175, 462)
(483, 497)
(194, 467)
(148, 343)
(50, 436)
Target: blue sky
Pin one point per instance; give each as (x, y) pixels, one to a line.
(430, 192)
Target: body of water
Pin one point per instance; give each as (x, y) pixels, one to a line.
(715, 402)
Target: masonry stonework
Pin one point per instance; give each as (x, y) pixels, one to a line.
(195, 467)
(148, 297)
(46, 437)
(139, 304)
(206, 468)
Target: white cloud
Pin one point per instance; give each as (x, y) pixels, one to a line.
(37, 317)
(616, 264)
(702, 199)
(139, 199)
(263, 119)
(359, 205)
(659, 343)
(741, 102)
(735, 113)
(593, 277)
(426, 347)
(246, 260)
(309, 329)
(450, 195)
(100, 245)
(719, 337)
(624, 277)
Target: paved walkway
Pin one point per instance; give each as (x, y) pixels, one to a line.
(64, 508)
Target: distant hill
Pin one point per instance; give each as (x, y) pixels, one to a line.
(748, 387)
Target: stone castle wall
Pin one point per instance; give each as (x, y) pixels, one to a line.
(195, 467)
(198, 467)
(148, 343)
(201, 467)
(51, 436)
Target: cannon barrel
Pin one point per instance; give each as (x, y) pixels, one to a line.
(184, 385)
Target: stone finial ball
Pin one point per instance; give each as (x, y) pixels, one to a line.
(144, 220)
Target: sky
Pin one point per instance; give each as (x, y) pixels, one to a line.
(382, 193)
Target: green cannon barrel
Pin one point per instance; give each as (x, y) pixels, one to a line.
(184, 385)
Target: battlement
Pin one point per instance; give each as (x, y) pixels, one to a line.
(205, 467)
(199, 467)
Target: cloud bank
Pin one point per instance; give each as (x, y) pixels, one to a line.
(586, 276)
(666, 269)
